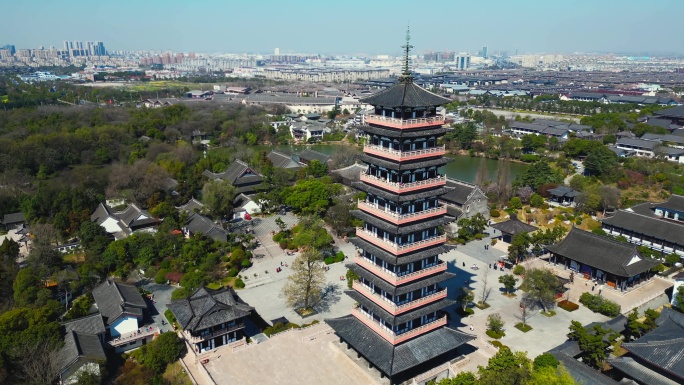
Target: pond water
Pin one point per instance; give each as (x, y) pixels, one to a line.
(462, 167)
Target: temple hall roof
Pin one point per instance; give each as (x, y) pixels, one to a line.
(405, 94)
(602, 252)
(391, 359)
(514, 226)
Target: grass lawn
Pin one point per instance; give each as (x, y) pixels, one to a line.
(74, 258)
(549, 313)
(482, 305)
(175, 374)
(523, 328)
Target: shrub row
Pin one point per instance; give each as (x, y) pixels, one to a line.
(598, 304)
(339, 257)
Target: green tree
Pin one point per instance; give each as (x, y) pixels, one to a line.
(551, 376)
(495, 323)
(536, 200)
(468, 228)
(316, 169)
(164, 350)
(305, 284)
(679, 298)
(634, 328)
(541, 286)
(538, 174)
(506, 368)
(462, 378)
(218, 196)
(517, 251)
(465, 297)
(311, 234)
(545, 360)
(650, 320)
(463, 135)
(509, 281)
(309, 196)
(515, 203)
(601, 161)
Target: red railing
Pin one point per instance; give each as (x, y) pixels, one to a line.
(392, 307)
(395, 248)
(400, 187)
(400, 218)
(389, 335)
(403, 155)
(405, 123)
(395, 279)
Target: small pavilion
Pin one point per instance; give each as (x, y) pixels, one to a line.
(512, 227)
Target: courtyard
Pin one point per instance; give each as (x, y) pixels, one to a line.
(315, 351)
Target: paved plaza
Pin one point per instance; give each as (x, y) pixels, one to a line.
(297, 357)
(289, 355)
(264, 292)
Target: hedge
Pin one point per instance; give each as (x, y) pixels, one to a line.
(339, 257)
(493, 334)
(232, 272)
(598, 304)
(494, 213)
(239, 283)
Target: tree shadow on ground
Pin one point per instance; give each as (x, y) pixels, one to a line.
(331, 295)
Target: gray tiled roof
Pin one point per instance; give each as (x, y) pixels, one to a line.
(392, 165)
(659, 229)
(404, 94)
(115, 299)
(674, 202)
(563, 191)
(634, 142)
(280, 160)
(639, 372)
(77, 345)
(674, 112)
(514, 226)
(13, 218)
(663, 347)
(403, 289)
(308, 155)
(351, 173)
(192, 206)
(403, 229)
(91, 324)
(199, 224)
(602, 252)
(645, 208)
(393, 197)
(581, 373)
(206, 308)
(396, 133)
(238, 173)
(390, 359)
(404, 258)
(459, 191)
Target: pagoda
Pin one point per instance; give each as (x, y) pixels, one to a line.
(398, 323)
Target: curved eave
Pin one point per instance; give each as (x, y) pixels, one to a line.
(403, 229)
(394, 197)
(403, 289)
(399, 134)
(438, 161)
(405, 258)
(404, 317)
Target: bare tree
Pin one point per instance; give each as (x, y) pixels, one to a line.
(610, 197)
(38, 362)
(305, 285)
(482, 175)
(525, 193)
(486, 290)
(524, 313)
(343, 157)
(503, 180)
(137, 182)
(42, 255)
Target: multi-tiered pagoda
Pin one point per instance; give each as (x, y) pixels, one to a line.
(399, 324)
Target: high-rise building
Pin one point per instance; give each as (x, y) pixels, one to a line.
(9, 47)
(462, 61)
(399, 324)
(276, 52)
(484, 52)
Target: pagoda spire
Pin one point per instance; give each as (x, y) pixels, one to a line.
(406, 76)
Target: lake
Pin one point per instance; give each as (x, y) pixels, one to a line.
(462, 167)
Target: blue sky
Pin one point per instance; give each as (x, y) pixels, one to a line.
(349, 26)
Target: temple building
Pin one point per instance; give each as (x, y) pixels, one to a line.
(399, 323)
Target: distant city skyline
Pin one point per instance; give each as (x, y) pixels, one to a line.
(352, 27)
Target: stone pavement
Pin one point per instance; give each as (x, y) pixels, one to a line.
(264, 292)
(637, 297)
(296, 357)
